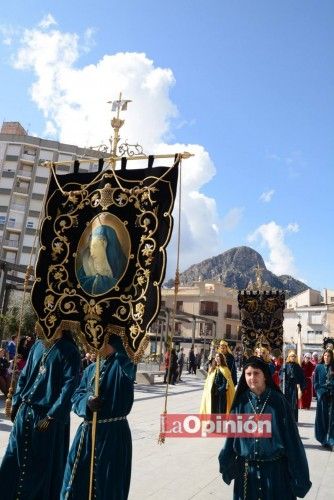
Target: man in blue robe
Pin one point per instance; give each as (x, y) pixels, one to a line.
(113, 445)
(34, 462)
(324, 387)
(265, 468)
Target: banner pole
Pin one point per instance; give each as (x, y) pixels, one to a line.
(94, 422)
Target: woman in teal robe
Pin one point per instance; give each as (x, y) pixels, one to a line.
(113, 446)
(34, 462)
(324, 387)
(265, 468)
(293, 376)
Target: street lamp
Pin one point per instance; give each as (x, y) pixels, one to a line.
(299, 340)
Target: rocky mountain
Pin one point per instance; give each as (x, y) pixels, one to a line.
(236, 268)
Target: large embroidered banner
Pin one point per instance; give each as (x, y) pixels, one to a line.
(102, 257)
(262, 320)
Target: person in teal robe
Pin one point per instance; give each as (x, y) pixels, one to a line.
(34, 462)
(292, 376)
(113, 446)
(324, 387)
(265, 468)
(103, 262)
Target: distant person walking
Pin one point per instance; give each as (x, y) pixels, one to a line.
(294, 382)
(4, 375)
(218, 390)
(11, 347)
(224, 349)
(308, 369)
(180, 363)
(192, 361)
(324, 387)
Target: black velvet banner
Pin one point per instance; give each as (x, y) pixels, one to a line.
(262, 320)
(102, 257)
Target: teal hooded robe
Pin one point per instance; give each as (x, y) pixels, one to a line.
(277, 466)
(272, 468)
(324, 420)
(113, 446)
(34, 462)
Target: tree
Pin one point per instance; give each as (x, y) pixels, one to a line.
(10, 321)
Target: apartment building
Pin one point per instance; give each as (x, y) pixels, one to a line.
(23, 182)
(205, 311)
(313, 311)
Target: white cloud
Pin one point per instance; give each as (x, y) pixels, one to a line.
(74, 103)
(7, 33)
(293, 227)
(47, 21)
(232, 218)
(293, 163)
(266, 196)
(272, 236)
(50, 130)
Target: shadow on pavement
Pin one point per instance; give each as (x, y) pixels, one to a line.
(5, 427)
(316, 447)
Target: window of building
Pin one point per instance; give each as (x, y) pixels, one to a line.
(10, 257)
(209, 308)
(30, 225)
(206, 329)
(179, 305)
(11, 222)
(228, 330)
(2, 219)
(29, 151)
(45, 155)
(332, 299)
(178, 327)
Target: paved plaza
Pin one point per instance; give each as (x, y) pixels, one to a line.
(185, 469)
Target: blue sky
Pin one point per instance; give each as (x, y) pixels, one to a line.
(245, 85)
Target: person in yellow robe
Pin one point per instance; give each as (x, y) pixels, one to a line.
(219, 389)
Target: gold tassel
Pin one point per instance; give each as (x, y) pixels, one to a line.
(8, 404)
(162, 435)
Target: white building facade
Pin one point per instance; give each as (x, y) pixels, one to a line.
(23, 183)
(205, 311)
(314, 312)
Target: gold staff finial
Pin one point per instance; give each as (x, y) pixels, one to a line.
(116, 122)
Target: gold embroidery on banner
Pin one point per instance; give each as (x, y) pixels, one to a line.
(63, 298)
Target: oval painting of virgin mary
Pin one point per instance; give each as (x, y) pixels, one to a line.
(102, 254)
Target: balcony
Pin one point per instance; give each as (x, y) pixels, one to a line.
(28, 157)
(231, 316)
(316, 319)
(208, 312)
(10, 260)
(208, 308)
(18, 207)
(22, 190)
(11, 224)
(11, 243)
(24, 173)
